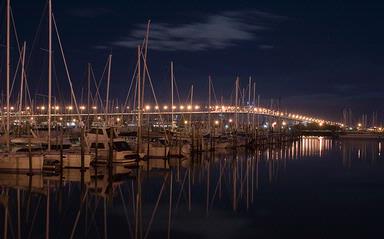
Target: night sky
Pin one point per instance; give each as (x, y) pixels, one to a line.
(317, 56)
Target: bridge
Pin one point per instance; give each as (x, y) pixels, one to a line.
(227, 110)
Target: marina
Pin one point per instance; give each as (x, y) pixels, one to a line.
(161, 154)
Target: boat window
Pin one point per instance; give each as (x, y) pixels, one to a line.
(109, 132)
(27, 150)
(96, 131)
(99, 145)
(121, 146)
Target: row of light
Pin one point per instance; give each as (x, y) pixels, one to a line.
(197, 107)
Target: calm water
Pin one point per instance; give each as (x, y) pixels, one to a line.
(314, 188)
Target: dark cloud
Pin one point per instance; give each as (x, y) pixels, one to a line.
(217, 31)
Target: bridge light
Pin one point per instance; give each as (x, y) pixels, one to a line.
(156, 107)
(197, 107)
(185, 121)
(147, 107)
(274, 124)
(82, 107)
(359, 125)
(284, 123)
(321, 124)
(216, 122)
(118, 119)
(42, 107)
(230, 120)
(174, 107)
(165, 107)
(95, 108)
(181, 107)
(189, 107)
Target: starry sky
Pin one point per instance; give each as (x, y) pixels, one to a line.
(318, 57)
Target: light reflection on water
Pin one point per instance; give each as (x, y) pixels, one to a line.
(221, 194)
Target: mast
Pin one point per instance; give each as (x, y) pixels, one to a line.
(88, 93)
(209, 104)
(190, 116)
(22, 80)
(249, 98)
(8, 70)
(108, 82)
(138, 99)
(172, 76)
(254, 104)
(49, 71)
(236, 102)
(145, 61)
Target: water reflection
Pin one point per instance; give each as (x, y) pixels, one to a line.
(158, 198)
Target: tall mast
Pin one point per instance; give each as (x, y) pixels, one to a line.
(172, 78)
(236, 102)
(22, 79)
(145, 61)
(49, 71)
(138, 99)
(108, 82)
(190, 116)
(249, 98)
(88, 93)
(254, 104)
(209, 104)
(8, 71)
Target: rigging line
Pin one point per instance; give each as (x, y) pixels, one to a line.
(15, 32)
(177, 88)
(125, 212)
(34, 217)
(78, 214)
(217, 185)
(187, 100)
(99, 84)
(156, 206)
(97, 96)
(130, 87)
(14, 76)
(181, 191)
(37, 33)
(56, 78)
(66, 67)
(213, 90)
(154, 95)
